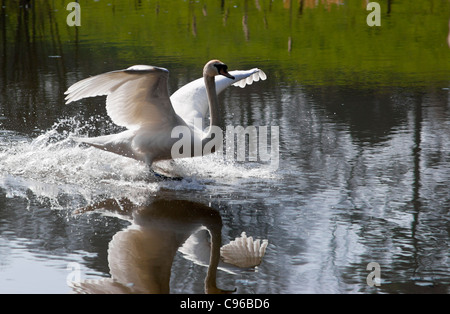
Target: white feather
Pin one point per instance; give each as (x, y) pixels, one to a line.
(244, 251)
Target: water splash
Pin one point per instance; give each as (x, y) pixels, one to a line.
(53, 167)
(58, 170)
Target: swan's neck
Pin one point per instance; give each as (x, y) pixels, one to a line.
(213, 102)
(214, 111)
(211, 275)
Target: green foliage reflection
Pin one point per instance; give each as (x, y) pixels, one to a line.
(311, 42)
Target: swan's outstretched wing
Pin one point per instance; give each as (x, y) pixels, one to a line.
(241, 253)
(191, 100)
(135, 96)
(244, 78)
(244, 251)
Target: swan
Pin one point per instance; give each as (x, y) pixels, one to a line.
(138, 99)
(140, 257)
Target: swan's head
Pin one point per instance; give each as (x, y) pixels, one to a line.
(216, 67)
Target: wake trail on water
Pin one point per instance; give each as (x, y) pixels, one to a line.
(57, 169)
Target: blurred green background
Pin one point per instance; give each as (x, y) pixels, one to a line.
(306, 41)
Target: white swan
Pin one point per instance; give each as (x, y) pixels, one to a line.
(140, 257)
(138, 99)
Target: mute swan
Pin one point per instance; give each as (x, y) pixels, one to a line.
(140, 257)
(138, 99)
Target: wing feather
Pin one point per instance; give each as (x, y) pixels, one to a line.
(191, 100)
(135, 96)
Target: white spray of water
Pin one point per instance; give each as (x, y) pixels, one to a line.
(55, 168)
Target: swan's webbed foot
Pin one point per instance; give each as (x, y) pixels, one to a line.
(215, 290)
(161, 177)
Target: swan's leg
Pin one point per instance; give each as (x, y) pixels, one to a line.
(162, 177)
(158, 176)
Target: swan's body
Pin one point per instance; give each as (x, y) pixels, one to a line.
(140, 257)
(138, 99)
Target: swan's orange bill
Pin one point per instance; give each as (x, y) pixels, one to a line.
(225, 73)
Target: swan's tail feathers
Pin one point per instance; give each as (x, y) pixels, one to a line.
(114, 143)
(257, 75)
(98, 142)
(244, 251)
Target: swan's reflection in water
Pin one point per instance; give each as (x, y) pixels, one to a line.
(140, 257)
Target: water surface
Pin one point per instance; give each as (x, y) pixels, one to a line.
(364, 127)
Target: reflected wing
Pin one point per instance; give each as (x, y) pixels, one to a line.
(244, 251)
(191, 100)
(135, 96)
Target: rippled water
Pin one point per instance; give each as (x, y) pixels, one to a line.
(363, 177)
